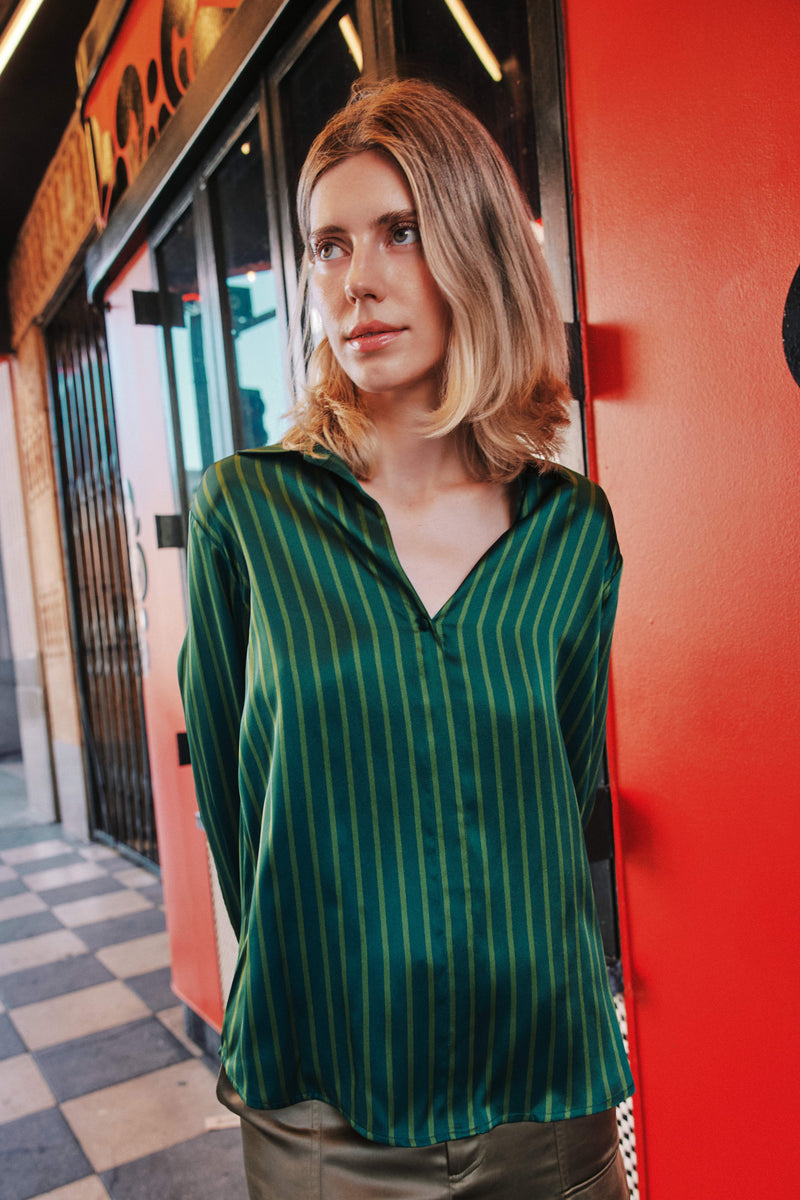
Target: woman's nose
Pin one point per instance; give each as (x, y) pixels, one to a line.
(364, 277)
(358, 291)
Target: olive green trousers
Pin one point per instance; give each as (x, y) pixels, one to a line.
(309, 1152)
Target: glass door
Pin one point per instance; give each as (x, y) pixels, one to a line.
(223, 314)
(201, 424)
(481, 55)
(252, 315)
(502, 62)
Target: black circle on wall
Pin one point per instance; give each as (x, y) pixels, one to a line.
(791, 328)
(152, 80)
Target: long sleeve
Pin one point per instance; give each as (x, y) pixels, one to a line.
(211, 668)
(608, 612)
(584, 655)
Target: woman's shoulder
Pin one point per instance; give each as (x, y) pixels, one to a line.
(583, 504)
(259, 486)
(225, 492)
(562, 483)
(230, 480)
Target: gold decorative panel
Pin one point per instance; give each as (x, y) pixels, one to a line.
(53, 622)
(36, 463)
(157, 52)
(33, 423)
(29, 392)
(61, 220)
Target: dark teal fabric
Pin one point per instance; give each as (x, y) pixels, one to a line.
(394, 802)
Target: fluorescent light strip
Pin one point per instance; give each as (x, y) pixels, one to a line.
(16, 29)
(475, 38)
(350, 35)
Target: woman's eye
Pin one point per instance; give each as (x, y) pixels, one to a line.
(325, 251)
(405, 235)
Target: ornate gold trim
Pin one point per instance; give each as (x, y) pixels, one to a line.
(61, 220)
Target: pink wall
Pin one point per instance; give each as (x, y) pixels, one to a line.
(134, 357)
(685, 132)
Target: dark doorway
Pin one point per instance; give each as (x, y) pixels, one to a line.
(98, 568)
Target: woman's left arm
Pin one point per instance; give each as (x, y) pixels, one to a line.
(211, 669)
(608, 612)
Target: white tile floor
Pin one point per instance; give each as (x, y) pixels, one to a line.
(102, 1095)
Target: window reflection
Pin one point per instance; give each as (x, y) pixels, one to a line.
(463, 46)
(177, 263)
(250, 285)
(317, 84)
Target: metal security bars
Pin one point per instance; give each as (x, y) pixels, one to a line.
(103, 611)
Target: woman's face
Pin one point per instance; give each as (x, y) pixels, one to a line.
(382, 312)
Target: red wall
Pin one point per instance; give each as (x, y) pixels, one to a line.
(685, 131)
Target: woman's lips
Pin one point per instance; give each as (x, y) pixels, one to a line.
(372, 337)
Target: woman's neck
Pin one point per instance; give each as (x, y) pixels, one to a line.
(441, 520)
(408, 461)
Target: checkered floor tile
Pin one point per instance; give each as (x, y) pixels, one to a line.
(102, 1096)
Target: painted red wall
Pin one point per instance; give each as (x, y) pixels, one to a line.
(137, 381)
(685, 131)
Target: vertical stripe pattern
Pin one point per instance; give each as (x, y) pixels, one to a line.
(394, 801)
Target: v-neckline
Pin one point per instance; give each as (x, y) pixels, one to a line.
(326, 459)
(440, 613)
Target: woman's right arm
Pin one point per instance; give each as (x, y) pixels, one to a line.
(211, 669)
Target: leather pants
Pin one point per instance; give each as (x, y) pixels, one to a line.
(309, 1152)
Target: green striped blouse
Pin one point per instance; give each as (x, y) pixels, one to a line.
(394, 801)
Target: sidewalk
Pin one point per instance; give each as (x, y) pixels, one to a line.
(102, 1097)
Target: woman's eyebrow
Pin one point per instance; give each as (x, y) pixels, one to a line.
(397, 217)
(324, 231)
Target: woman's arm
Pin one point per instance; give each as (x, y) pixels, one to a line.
(211, 669)
(608, 612)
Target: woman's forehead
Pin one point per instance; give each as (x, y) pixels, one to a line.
(365, 180)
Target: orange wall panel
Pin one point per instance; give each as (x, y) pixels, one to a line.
(143, 447)
(685, 121)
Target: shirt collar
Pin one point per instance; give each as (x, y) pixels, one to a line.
(321, 458)
(531, 483)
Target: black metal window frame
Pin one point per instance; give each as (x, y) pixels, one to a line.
(220, 370)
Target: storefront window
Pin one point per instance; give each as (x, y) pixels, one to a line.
(318, 83)
(479, 51)
(180, 289)
(251, 322)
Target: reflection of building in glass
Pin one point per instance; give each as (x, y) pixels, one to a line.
(259, 356)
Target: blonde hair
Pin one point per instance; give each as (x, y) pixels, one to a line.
(504, 381)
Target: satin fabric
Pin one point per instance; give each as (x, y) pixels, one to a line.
(308, 1151)
(394, 801)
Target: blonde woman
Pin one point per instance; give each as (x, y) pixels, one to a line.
(395, 681)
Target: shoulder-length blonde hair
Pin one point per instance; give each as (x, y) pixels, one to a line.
(504, 380)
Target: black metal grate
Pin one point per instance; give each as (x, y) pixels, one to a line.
(103, 610)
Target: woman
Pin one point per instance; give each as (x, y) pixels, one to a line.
(395, 682)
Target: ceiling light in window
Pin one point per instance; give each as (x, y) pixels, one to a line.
(350, 35)
(16, 29)
(475, 38)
